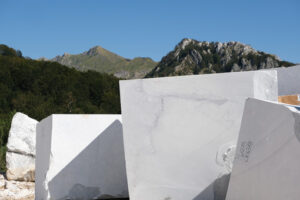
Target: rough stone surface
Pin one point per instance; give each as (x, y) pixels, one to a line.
(20, 155)
(20, 167)
(2, 182)
(22, 134)
(196, 57)
(80, 157)
(266, 164)
(180, 132)
(15, 190)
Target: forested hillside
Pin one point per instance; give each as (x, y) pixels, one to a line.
(41, 88)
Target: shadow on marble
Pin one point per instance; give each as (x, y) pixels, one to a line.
(81, 170)
(219, 188)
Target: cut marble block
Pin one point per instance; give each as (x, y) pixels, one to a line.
(80, 157)
(267, 164)
(288, 80)
(180, 132)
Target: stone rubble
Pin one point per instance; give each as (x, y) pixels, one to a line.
(16, 190)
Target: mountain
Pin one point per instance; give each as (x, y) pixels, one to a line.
(102, 60)
(194, 57)
(41, 88)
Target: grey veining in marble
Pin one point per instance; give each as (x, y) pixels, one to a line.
(180, 132)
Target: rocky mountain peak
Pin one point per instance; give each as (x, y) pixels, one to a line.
(184, 43)
(66, 54)
(96, 50)
(197, 57)
(219, 47)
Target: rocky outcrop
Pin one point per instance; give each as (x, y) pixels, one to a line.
(15, 190)
(194, 57)
(20, 156)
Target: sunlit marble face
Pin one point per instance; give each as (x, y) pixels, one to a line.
(80, 157)
(180, 132)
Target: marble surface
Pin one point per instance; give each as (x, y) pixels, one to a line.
(80, 157)
(180, 132)
(20, 167)
(22, 135)
(20, 155)
(288, 80)
(267, 164)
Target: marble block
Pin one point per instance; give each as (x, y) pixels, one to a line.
(22, 135)
(20, 167)
(80, 157)
(180, 132)
(288, 80)
(20, 155)
(267, 164)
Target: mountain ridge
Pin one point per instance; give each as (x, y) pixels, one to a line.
(101, 60)
(193, 57)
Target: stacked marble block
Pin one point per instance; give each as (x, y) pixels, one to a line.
(266, 164)
(80, 157)
(180, 132)
(180, 135)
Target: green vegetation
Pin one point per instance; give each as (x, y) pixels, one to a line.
(5, 121)
(101, 60)
(41, 88)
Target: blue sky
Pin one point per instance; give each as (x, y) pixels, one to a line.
(148, 28)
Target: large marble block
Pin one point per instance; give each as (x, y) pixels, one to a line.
(288, 80)
(267, 163)
(180, 132)
(80, 157)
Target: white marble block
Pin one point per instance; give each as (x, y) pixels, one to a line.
(180, 132)
(267, 163)
(288, 80)
(22, 135)
(80, 157)
(20, 167)
(20, 155)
